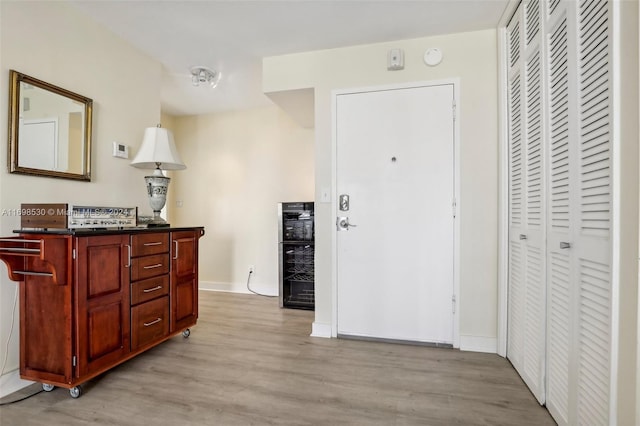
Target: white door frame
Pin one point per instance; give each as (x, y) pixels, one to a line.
(334, 208)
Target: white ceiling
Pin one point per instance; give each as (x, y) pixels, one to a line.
(233, 36)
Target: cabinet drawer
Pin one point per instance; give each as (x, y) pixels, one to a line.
(149, 266)
(145, 244)
(149, 322)
(143, 291)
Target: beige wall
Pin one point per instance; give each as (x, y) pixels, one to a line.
(626, 197)
(52, 42)
(239, 166)
(471, 57)
(637, 280)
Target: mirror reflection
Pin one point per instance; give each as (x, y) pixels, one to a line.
(50, 129)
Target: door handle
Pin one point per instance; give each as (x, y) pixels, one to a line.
(342, 223)
(523, 237)
(564, 245)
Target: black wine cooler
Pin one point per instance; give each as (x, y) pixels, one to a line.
(296, 255)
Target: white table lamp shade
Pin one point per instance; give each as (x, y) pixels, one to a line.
(158, 147)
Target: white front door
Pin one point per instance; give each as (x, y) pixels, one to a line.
(395, 263)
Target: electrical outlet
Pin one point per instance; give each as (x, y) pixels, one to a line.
(252, 269)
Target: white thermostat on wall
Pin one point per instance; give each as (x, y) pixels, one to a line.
(120, 150)
(433, 56)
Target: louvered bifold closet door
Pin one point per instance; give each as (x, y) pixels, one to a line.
(561, 95)
(526, 347)
(560, 219)
(578, 49)
(592, 241)
(517, 243)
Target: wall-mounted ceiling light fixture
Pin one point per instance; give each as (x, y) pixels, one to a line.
(203, 75)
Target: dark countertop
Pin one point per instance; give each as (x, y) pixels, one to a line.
(80, 232)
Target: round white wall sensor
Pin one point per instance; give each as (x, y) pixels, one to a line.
(433, 56)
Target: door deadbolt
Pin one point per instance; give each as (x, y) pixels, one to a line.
(344, 202)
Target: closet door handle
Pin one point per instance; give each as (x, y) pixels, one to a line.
(565, 245)
(523, 237)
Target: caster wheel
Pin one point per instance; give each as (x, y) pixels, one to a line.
(47, 387)
(186, 333)
(75, 392)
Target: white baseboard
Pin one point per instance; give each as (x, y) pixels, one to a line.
(479, 344)
(237, 288)
(216, 286)
(319, 329)
(11, 382)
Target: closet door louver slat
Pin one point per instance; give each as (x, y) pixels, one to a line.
(558, 337)
(532, 20)
(553, 5)
(516, 166)
(559, 118)
(516, 308)
(593, 379)
(534, 142)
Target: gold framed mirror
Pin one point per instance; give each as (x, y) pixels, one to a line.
(49, 129)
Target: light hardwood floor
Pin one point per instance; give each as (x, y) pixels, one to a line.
(249, 362)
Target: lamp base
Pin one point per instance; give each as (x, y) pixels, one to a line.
(157, 221)
(157, 185)
(158, 225)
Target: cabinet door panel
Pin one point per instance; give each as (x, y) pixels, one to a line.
(102, 283)
(184, 256)
(103, 276)
(45, 328)
(184, 279)
(184, 295)
(105, 334)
